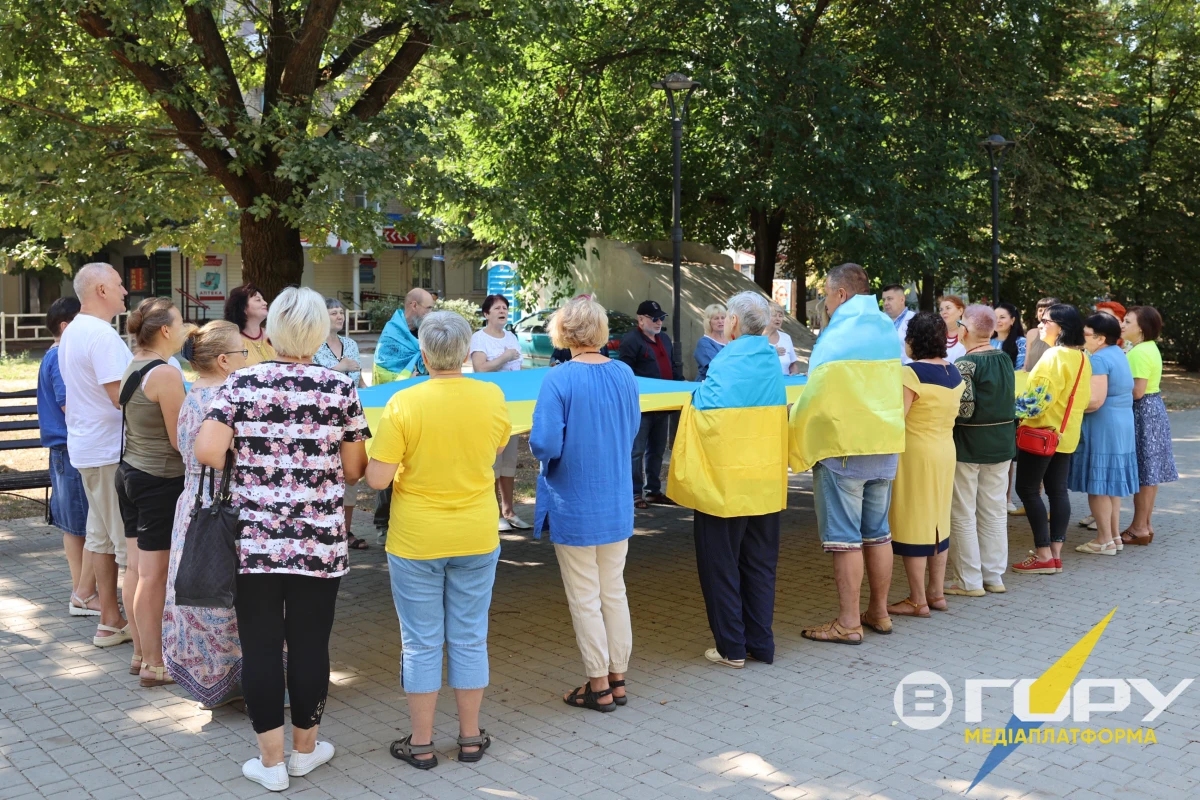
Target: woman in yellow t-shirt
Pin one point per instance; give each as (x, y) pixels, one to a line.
(435, 446)
(1152, 428)
(1063, 371)
(247, 309)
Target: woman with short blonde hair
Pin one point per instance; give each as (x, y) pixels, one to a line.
(713, 340)
(781, 341)
(584, 423)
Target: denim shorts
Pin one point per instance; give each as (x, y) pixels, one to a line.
(443, 602)
(851, 513)
(68, 503)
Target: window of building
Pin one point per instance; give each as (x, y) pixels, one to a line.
(478, 278)
(422, 273)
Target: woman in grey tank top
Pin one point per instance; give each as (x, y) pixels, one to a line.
(150, 477)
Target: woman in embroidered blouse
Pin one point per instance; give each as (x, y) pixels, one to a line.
(713, 340)
(1062, 378)
(1010, 335)
(200, 645)
(1156, 461)
(246, 308)
(297, 431)
(951, 308)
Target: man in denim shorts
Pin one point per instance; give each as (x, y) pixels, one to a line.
(852, 492)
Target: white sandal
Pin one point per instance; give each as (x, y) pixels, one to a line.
(119, 636)
(82, 609)
(1097, 549)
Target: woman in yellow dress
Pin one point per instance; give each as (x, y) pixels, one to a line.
(921, 494)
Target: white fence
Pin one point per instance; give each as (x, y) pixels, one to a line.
(23, 331)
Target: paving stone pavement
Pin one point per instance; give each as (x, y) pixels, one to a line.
(819, 723)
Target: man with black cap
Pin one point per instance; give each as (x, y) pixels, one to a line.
(647, 351)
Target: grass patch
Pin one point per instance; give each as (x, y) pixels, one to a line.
(19, 367)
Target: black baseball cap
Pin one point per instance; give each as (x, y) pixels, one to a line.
(651, 309)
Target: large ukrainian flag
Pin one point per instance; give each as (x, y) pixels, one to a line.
(730, 456)
(853, 403)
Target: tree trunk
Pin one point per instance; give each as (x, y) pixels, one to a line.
(928, 297)
(272, 256)
(768, 227)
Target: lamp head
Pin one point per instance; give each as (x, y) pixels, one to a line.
(997, 143)
(676, 82)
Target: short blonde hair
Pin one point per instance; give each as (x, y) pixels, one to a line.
(580, 324)
(710, 312)
(445, 338)
(297, 322)
(777, 307)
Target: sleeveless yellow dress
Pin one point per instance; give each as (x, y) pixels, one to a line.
(919, 515)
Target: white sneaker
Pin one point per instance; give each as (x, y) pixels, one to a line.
(1086, 521)
(1012, 507)
(519, 524)
(505, 525)
(714, 655)
(304, 763)
(273, 779)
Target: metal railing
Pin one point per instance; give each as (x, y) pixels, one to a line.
(27, 329)
(191, 303)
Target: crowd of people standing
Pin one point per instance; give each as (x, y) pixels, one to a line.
(923, 474)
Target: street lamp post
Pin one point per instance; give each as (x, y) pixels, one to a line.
(676, 82)
(996, 146)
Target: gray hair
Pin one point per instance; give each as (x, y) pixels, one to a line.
(752, 312)
(445, 338)
(332, 303)
(980, 320)
(297, 322)
(850, 277)
(89, 277)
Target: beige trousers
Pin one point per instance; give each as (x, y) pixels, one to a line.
(979, 525)
(105, 526)
(594, 578)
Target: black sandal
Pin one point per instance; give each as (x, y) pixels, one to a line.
(355, 543)
(406, 751)
(623, 699)
(482, 741)
(589, 699)
(640, 503)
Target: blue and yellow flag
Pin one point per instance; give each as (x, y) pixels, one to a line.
(854, 402)
(730, 456)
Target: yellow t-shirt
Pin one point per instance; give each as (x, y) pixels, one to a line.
(444, 435)
(258, 350)
(1049, 391)
(1145, 361)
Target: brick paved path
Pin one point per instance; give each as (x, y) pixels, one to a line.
(819, 723)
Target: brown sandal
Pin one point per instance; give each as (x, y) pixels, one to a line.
(907, 608)
(834, 632)
(883, 626)
(938, 603)
(1129, 537)
(640, 503)
(154, 676)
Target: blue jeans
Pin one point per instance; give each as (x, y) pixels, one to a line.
(649, 446)
(443, 601)
(851, 513)
(68, 503)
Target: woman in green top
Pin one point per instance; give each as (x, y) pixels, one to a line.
(1156, 462)
(150, 477)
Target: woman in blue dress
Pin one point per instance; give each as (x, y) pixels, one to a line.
(1105, 464)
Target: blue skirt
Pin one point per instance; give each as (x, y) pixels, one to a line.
(1156, 461)
(1105, 463)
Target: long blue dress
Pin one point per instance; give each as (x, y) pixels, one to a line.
(1105, 462)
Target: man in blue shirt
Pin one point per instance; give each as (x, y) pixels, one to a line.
(895, 307)
(68, 503)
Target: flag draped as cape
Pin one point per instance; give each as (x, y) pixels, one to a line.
(398, 354)
(730, 456)
(853, 403)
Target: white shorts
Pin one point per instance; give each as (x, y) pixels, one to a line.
(506, 461)
(105, 526)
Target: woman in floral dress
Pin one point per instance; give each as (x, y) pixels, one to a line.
(201, 649)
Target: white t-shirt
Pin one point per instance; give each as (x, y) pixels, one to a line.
(789, 352)
(492, 348)
(90, 355)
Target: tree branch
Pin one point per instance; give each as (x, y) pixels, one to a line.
(162, 79)
(159, 133)
(336, 68)
(280, 43)
(392, 77)
(300, 74)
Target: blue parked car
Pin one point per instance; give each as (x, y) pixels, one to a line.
(534, 335)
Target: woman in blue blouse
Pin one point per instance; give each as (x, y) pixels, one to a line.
(713, 340)
(1010, 335)
(584, 424)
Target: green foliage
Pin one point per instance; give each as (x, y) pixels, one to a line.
(464, 308)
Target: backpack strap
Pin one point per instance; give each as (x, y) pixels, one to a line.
(128, 388)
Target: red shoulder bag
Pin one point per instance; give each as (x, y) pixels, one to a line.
(1044, 441)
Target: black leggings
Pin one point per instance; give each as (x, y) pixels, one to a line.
(1051, 471)
(263, 627)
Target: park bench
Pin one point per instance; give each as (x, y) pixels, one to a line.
(11, 482)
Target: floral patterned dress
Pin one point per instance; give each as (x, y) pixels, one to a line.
(201, 648)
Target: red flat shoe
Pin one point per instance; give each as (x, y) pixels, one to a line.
(1031, 566)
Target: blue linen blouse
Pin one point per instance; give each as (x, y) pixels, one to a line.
(706, 350)
(584, 424)
(999, 345)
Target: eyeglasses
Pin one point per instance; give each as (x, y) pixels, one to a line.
(245, 353)
(958, 323)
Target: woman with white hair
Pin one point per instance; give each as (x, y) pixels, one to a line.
(584, 423)
(713, 339)
(435, 447)
(782, 342)
(296, 431)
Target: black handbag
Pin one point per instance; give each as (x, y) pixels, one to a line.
(207, 574)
